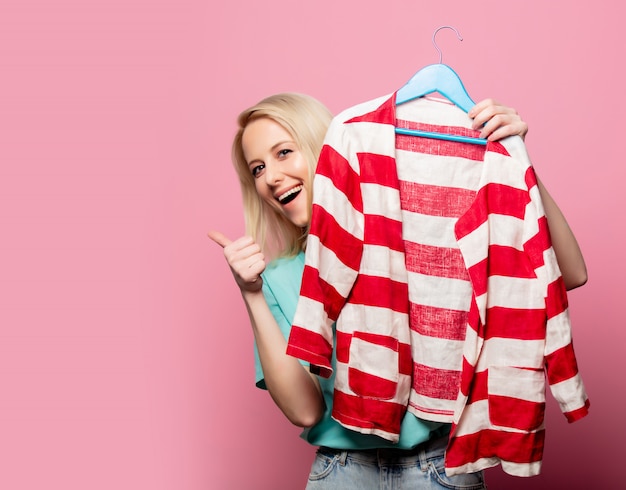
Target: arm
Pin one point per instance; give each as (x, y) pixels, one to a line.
(568, 254)
(294, 390)
(498, 121)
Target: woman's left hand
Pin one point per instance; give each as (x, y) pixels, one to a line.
(499, 120)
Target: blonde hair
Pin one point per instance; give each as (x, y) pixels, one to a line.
(306, 120)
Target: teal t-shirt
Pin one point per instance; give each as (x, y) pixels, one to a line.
(281, 287)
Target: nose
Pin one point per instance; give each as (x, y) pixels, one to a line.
(273, 173)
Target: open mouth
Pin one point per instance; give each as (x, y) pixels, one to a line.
(290, 195)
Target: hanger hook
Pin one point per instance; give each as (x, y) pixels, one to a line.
(435, 43)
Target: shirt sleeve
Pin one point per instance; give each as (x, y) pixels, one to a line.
(333, 255)
(561, 367)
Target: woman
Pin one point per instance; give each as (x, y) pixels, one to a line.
(275, 153)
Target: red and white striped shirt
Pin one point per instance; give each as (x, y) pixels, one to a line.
(434, 260)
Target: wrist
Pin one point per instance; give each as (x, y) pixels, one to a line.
(251, 296)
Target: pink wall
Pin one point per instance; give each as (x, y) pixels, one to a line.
(125, 356)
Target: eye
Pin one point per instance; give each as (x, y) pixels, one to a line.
(257, 170)
(284, 152)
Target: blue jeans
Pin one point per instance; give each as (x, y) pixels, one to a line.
(417, 469)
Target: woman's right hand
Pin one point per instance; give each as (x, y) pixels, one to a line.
(245, 259)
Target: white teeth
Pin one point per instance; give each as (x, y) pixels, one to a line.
(284, 196)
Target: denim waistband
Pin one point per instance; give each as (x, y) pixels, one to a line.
(431, 449)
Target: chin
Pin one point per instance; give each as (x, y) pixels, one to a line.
(299, 221)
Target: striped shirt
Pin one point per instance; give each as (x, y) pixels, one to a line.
(434, 259)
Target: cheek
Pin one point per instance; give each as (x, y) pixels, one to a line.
(261, 187)
(305, 209)
(302, 170)
(266, 195)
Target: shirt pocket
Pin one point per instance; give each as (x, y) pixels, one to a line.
(373, 366)
(516, 397)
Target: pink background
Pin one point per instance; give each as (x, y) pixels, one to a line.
(125, 353)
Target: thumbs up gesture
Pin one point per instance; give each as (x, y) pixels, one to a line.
(245, 259)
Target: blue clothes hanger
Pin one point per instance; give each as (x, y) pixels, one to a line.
(438, 78)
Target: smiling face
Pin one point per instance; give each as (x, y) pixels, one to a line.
(280, 170)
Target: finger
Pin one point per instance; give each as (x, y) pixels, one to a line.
(492, 124)
(481, 106)
(502, 127)
(482, 113)
(248, 273)
(498, 134)
(241, 249)
(501, 114)
(510, 123)
(507, 130)
(244, 256)
(219, 238)
(254, 269)
(483, 117)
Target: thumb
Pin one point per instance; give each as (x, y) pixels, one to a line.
(219, 238)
